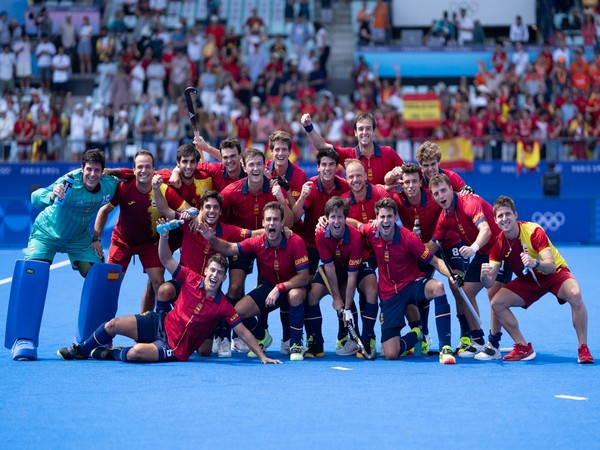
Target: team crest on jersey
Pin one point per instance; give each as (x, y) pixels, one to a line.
(338, 253)
(198, 308)
(381, 318)
(386, 256)
(207, 249)
(276, 265)
(256, 211)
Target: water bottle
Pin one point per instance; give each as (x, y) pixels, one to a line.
(68, 184)
(192, 212)
(170, 225)
(417, 228)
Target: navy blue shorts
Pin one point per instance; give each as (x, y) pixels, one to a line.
(151, 330)
(393, 310)
(473, 274)
(456, 261)
(342, 275)
(242, 262)
(313, 260)
(260, 294)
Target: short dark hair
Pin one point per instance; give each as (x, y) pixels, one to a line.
(212, 194)
(327, 152)
(220, 260)
(187, 150)
(386, 203)
(412, 168)
(503, 200)
(93, 155)
(282, 136)
(363, 116)
(336, 202)
(250, 153)
(275, 206)
(230, 143)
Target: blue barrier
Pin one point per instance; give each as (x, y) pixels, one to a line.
(577, 209)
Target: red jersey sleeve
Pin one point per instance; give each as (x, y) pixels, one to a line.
(118, 197)
(539, 240)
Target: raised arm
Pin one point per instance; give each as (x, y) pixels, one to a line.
(315, 138)
(223, 247)
(164, 251)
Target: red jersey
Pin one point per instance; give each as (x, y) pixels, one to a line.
(314, 206)
(244, 208)
(365, 210)
(277, 264)
(137, 219)
(456, 180)
(469, 211)
(383, 160)
(398, 259)
(533, 240)
(345, 253)
(196, 251)
(294, 175)
(24, 130)
(428, 212)
(195, 315)
(219, 174)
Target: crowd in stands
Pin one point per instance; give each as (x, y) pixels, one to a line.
(253, 82)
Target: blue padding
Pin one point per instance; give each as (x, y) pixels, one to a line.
(26, 303)
(99, 298)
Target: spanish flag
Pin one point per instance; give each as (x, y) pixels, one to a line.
(113, 275)
(528, 155)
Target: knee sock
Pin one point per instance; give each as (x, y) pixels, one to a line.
(369, 317)
(284, 315)
(477, 336)
(121, 355)
(257, 331)
(296, 316)
(408, 341)
(225, 330)
(424, 313)
(342, 331)
(442, 319)
(495, 338)
(464, 325)
(98, 338)
(314, 323)
(164, 305)
(416, 324)
(263, 319)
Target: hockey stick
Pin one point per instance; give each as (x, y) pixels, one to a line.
(459, 285)
(192, 113)
(350, 324)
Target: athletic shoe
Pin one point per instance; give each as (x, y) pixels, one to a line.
(370, 351)
(471, 350)
(313, 350)
(104, 353)
(446, 355)
(465, 341)
(70, 353)
(284, 348)
(264, 343)
(296, 353)
(215, 346)
(238, 345)
(520, 352)
(425, 345)
(346, 347)
(24, 350)
(489, 353)
(224, 348)
(584, 355)
(419, 333)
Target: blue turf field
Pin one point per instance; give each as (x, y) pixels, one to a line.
(335, 401)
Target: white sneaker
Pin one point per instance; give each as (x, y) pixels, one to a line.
(284, 349)
(347, 348)
(471, 350)
(239, 346)
(489, 353)
(224, 349)
(216, 343)
(24, 350)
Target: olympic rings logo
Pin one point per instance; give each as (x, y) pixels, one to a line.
(548, 220)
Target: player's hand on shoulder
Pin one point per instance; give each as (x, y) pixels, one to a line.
(175, 179)
(287, 232)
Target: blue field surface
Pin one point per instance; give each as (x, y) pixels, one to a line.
(331, 402)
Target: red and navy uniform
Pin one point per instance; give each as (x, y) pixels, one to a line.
(469, 211)
(196, 251)
(218, 173)
(276, 264)
(244, 208)
(383, 160)
(456, 180)
(346, 253)
(314, 206)
(195, 315)
(135, 231)
(294, 175)
(397, 259)
(363, 211)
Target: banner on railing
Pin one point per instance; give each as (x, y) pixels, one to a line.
(422, 110)
(457, 153)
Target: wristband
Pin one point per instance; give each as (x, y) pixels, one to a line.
(281, 288)
(309, 128)
(537, 264)
(177, 215)
(96, 238)
(164, 235)
(475, 247)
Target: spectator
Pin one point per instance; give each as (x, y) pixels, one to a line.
(478, 33)
(7, 130)
(519, 31)
(365, 37)
(299, 35)
(4, 29)
(465, 28)
(323, 44)
(105, 44)
(381, 21)
(42, 149)
(44, 52)
(588, 29)
(215, 29)
(119, 137)
(22, 50)
(171, 134)
(181, 74)
(68, 36)
(562, 52)
(520, 59)
(195, 42)
(288, 12)
(61, 69)
(107, 72)
(7, 69)
(24, 131)
(99, 129)
(155, 74)
(254, 25)
(84, 46)
(78, 134)
(148, 127)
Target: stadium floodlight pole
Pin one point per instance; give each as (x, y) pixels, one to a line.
(350, 323)
(192, 113)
